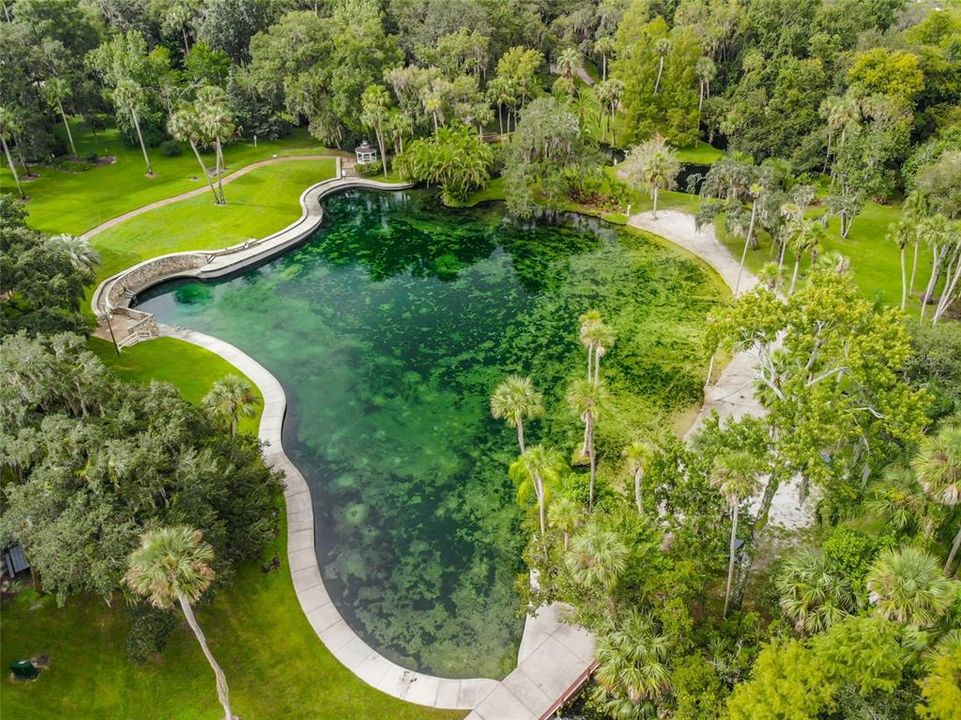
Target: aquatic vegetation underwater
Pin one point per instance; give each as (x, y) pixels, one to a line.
(388, 330)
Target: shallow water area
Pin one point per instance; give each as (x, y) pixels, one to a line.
(389, 329)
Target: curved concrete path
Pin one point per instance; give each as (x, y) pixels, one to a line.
(732, 393)
(199, 191)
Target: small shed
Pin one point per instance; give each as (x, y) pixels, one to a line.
(366, 153)
(15, 560)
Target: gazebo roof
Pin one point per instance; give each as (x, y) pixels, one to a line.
(364, 147)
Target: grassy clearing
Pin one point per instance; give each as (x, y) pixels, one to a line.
(258, 204)
(275, 664)
(700, 154)
(76, 201)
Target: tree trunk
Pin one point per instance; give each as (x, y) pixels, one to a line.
(183, 30)
(747, 549)
(593, 459)
(954, 551)
(590, 363)
(500, 117)
(950, 284)
(747, 244)
(914, 267)
(222, 692)
(220, 171)
(604, 67)
(13, 167)
(660, 70)
(520, 435)
(710, 370)
(932, 281)
(797, 266)
(143, 146)
(203, 169)
(638, 497)
(904, 280)
(542, 504)
(654, 196)
(66, 126)
(730, 563)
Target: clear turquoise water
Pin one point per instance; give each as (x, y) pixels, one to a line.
(388, 330)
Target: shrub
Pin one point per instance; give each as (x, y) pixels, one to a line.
(171, 148)
(149, 629)
(369, 169)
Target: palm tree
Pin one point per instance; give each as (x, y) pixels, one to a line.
(515, 399)
(936, 231)
(938, 467)
(55, 91)
(586, 398)
(568, 63)
(186, 125)
(652, 166)
(756, 191)
(213, 111)
(9, 126)
(899, 500)
(604, 46)
(596, 560)
(803, 235)
(638, 455)
(662, 48)
(82, 256)
(597, 337)
(906, 585)
(632, 665)
(231, 398)
(130, 97)
(609, 94)
(902, 235)
(375, 109)
(705, 70)
(538, 469)
(501, 93)
(735, 475)
(172, 565)
(813, 596)
(565, 514)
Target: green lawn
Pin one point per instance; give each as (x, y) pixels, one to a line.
(74, 202)
(275, 664)
(700, 154)
(258, 204)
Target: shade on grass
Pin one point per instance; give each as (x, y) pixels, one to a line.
(275, 664)
(76, 201)
(258, 204)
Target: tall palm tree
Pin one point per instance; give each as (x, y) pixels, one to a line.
(537, 470)
(605, 47)
(652, 166)
(565, 514)
(906, 585)
(813, 596)
(500, 92)
(9, 126)
(231, 398)
(938, 467)
(217, 122)
(514, 400)
(172, 565)
(632, 665)
(804, 235)
(638, 455)
(375, 110)
(609, 94)
(596, 336)
(586, 399)
(568, 63)
(756, 191)
(55, 91)
(186, 125)
(735, 475)
(130, 98)
(706, 71)
(936, 231)
(662, 48)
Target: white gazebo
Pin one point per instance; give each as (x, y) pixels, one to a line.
(366, 153)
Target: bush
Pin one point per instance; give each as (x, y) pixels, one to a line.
(369, 169)
(149, 629)
(171, 148)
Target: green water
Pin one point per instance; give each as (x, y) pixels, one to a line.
(388, 331)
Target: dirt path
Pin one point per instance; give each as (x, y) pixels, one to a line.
(198, 191)
(732, 393)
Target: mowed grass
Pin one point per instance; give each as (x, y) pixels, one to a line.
(274, 662)
(258, 204)
(73, 202)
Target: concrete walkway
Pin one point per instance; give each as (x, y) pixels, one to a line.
(199, 191)
(732, 393)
